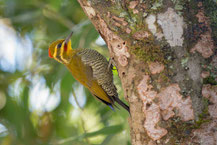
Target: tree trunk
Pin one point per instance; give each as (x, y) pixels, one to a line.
(165, 54)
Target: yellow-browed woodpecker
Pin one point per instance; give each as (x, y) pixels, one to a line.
(88, 67)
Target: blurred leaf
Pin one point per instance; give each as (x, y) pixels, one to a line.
(19, 118)
(55, 3)
(26, 17)
(104, 131)
(107, 139)
(129, 143)
(90, 34)
(66, 84)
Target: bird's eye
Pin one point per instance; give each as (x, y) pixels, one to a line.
(59, 45)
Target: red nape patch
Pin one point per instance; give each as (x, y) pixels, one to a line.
(49, 54)
(65, 47)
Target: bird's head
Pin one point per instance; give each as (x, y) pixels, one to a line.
(59, 48)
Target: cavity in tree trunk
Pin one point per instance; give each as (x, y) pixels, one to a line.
(165, 53)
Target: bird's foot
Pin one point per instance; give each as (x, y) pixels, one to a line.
(111, 63)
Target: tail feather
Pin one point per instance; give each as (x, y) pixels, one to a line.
(116, 99)
(110, 105)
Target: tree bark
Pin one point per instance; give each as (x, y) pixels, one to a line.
(166, 58)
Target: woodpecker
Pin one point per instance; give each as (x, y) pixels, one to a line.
(88, 67)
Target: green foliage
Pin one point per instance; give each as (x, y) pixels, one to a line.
(79, 121)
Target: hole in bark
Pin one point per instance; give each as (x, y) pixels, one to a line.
(210, 103)
(213, 129)
(186, 68)
(185, 94)
(123, 73)
(148, 105)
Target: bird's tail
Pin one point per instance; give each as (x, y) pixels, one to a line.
(116, 99)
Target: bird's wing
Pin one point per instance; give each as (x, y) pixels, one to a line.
(83, 74)
(98, 91)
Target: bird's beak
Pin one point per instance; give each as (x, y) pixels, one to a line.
(68, 38)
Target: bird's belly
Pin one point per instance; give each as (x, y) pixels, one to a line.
(78, 73)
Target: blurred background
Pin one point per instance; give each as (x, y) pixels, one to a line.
(40, 102)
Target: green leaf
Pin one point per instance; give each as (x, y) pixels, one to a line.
(107, 139)
(104, 131)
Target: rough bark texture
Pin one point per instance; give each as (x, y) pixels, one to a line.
(166, 58)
